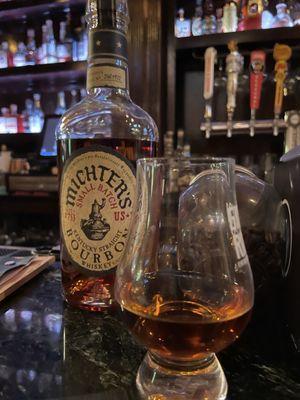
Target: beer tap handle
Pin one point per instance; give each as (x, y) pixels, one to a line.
(210, 58)
(282, 54)
(257, 68)
(234, 66)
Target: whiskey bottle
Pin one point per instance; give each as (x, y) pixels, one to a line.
(99, 141)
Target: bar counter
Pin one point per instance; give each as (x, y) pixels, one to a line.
(51, 351)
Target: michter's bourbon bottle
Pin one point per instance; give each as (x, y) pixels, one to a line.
(99, 141)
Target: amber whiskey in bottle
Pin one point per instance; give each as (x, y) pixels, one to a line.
(99, 141)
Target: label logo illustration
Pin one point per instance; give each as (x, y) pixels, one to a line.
(96, 227)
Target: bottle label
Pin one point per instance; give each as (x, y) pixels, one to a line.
(105, 75)
(96, 200)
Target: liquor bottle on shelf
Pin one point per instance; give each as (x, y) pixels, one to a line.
(4, 55)
(20, 55)
(209, 24)
(282, 18)
(295, 12)
(182, 25)
(42, 51)
(5, 121)
(26, 114)
(31, 55)
(64, 47)
(230, 17)
(69, 38)
(36, 119)
(51, 43)
(197, 19)
(10, 56)
(219, 16)
(61, 104)
(82, 47)
(253, 17)
(19, 118)
(11, 121)
(2, 121)
(267, 17)
(75, 44)
(99, 141)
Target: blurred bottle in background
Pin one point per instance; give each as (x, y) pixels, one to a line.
(27, 112)
(197, 19)
(20, 55)
(51, 43)
(61, 104)
(82, 49)
(4, 55)
(182, 25)
(31, 51)
(36, 120)
(64, 46)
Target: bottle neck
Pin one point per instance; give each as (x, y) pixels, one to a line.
(107, 63)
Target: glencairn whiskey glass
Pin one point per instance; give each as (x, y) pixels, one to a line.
(185, 285)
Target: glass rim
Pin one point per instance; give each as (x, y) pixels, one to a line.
(192, 160)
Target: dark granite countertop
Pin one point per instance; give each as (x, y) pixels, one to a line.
(50, 351)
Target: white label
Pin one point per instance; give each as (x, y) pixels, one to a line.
(236, 231)
(96, 199)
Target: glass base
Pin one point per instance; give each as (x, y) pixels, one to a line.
(158, 379)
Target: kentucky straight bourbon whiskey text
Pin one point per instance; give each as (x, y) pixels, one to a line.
(99, 142)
